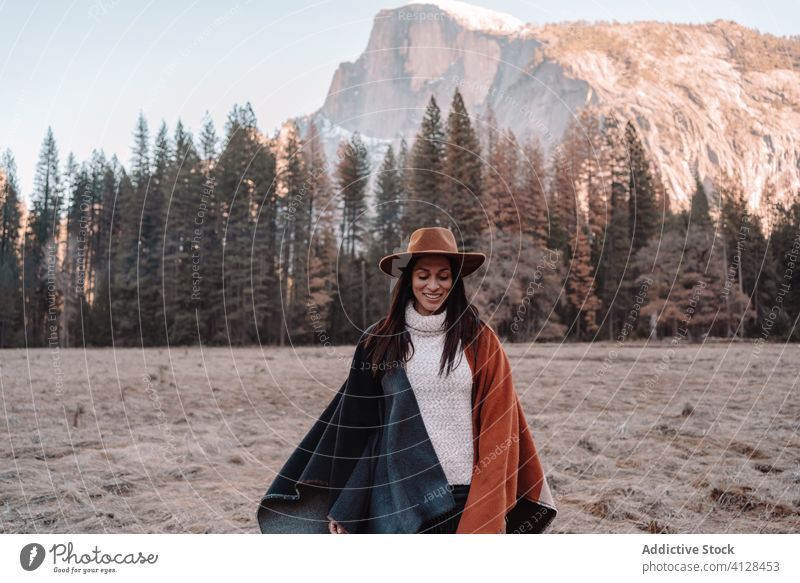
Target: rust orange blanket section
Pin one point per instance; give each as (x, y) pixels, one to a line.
(507, 471)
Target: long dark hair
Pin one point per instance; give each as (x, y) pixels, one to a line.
(389, 340)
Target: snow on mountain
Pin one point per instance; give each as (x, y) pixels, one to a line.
(479, 18)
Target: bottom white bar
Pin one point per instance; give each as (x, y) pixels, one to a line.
(386, 558)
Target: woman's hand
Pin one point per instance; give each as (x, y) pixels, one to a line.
(336, 528)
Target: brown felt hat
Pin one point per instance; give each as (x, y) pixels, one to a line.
(431, 241)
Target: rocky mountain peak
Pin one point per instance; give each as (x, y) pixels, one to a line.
(711, 98)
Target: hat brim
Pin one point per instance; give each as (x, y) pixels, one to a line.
(392, 265)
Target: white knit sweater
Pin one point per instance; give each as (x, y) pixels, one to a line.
(444, 401)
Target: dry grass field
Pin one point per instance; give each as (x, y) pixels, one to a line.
(701, 439)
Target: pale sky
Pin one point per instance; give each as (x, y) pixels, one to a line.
(87, 67)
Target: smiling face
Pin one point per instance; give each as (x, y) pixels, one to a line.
(431, 282)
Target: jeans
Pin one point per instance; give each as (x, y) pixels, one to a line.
(447, 523)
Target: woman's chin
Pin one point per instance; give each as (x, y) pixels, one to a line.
(431, 306)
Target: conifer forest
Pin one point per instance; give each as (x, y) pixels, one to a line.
(234, 237)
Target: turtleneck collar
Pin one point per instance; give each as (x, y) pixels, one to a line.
(424, 325)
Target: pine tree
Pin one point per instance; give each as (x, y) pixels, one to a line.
(42, 297)
(522, 284)
(488, 132)
(643, 212)
(387, 222)
(322, 255)
(568, 163)
(235, 192)
(594, 182)
(503, 201)
(532, 196)
(767, 205)
(105, 184)
(77, 253)
(426, 172)
(209, 219)
(185, 245)
(685, 298)
(462, 186)
(72, 181)
(125, 246)
(697, 289)
(323, 209)
(679, 275)
(124, 251)
(403, 174)
(295, 223)
(264, 268)
(10, 277)
(151, 246)
(247, 209)
(784, 256)
(745, 267)
(563, 198)
(135, 253)
(352, 174)
(699, 215)
(500, 290)
(580, 286)
(385, 232)
(665, 215)
(614, 290)
(537, 288)
(208, 142)
(658, 264)
(140, 162)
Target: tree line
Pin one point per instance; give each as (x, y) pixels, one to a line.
(249, 238)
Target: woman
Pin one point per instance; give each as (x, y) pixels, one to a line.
(427, 434)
